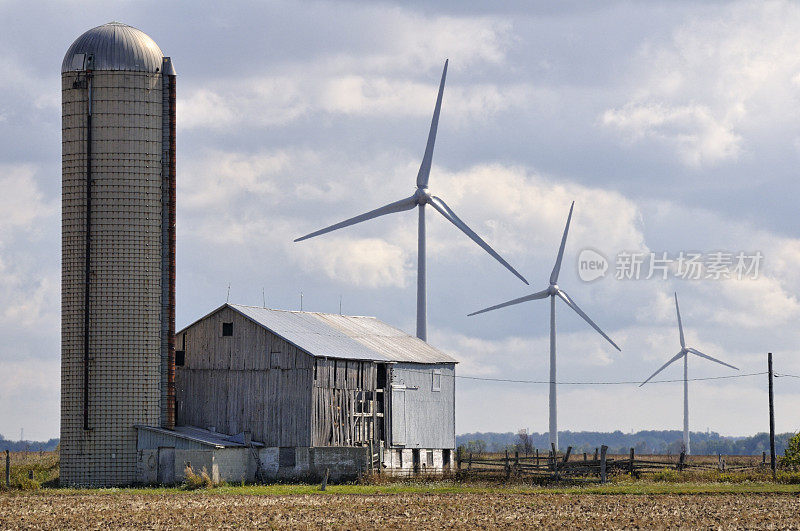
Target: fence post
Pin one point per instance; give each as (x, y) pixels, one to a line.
(325, 479)
(681, 460)
(719, 462)
(569, 451)
(8, 469)
(469, 465)
(508, 466)
(631, 461)
(764, 458)
(458, 458)
(603, 450)
(595, 454)
(585, 458)
(516, 462)
(537, 457)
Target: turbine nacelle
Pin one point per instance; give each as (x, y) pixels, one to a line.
(553, 290)
(422, 195)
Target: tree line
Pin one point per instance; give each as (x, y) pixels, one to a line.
(667, 442)
(28, 446)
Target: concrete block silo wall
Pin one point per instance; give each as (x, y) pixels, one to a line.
(125, 272)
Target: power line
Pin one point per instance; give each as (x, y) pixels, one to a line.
(782, 375)
(619, 382)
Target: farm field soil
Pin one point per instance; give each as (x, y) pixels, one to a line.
(204, 509)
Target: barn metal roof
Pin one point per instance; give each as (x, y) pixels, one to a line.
(115, 46)
(342, 336)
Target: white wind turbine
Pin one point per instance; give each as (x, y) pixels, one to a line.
(554, 291)
(421, 197)
(684, 353)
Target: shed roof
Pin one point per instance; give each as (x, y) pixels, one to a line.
(201, 436)
(341, 336)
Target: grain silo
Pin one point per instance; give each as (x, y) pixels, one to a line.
(118, 251)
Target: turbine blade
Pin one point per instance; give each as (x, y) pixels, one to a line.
(566, 298)
(706, 356)
(674, 359)
(557, 267)
(532, 297)
(680, 324)
(447, 212)
(398, 206)
(425, 168)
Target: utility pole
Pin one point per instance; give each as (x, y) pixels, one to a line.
(771, 416)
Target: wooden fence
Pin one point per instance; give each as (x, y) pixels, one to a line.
(558, 465)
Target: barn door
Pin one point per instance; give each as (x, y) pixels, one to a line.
(398, 416)
(166, 466)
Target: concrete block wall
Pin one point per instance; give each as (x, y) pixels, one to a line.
(401, 460)
(311, 463)
(125, 262)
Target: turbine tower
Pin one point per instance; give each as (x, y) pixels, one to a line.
(684, 353)
(553, 291)
(422, 197)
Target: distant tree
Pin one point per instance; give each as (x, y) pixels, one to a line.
(524, 442)
(477, 446)
(791, 455)
(642, 447)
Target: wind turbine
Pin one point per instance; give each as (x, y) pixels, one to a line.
(422, 197)
(554, 291)
(684, 353)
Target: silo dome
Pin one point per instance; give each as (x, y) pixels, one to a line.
(115, 46)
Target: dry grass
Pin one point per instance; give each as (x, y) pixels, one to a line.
(43, 465)
(194, 481)
(200, 509)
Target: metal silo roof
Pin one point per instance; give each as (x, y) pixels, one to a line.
(115, 46)
(342, 336)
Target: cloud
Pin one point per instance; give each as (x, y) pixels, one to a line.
(691, 130)
(397, 77)
(365, 262)
(29, 397)
(23, 204)
(718, 83)
(279, 101)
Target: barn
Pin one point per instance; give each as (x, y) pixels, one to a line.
(264, 393)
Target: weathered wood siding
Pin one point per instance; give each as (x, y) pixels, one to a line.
(250, 381)
(346, 407)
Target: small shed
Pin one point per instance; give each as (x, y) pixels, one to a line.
(308, 385)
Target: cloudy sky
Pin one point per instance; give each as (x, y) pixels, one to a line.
(675, 127)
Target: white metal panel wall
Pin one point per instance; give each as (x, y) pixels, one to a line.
(124, 385)
(429, 409)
